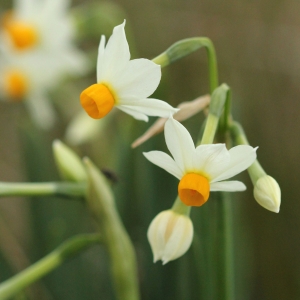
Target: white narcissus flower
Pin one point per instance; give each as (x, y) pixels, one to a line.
(36, 52)
(123, 83)
(45, 26)
(202, 169)
(170, 235)
(21, 78)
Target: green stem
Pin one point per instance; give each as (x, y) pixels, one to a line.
(181, 208)
(255, 171)
(218, 99)
(210, 129)
(67, 250)
(120, 248)
(223, 269)
(212, 64)
(226, 117)
(187, 46)
(68, 189)
(226, 238)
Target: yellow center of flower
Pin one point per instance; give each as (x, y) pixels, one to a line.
(15, 85)
(23, 35)
(193, 189)
(97, 100)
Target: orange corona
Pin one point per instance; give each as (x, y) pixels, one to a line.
(23, 35)
(97, 100)
(16, 85)
(193, 189)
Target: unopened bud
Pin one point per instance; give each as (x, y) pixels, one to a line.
(68, 163)
(170, 235)
(267, 193)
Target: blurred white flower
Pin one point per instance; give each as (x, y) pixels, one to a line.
(170, 235)
(123, 83)
(36, 53)
(21, 79)
(267, 193)
(202, 169)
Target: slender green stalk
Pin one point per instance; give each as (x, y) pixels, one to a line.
(120, 248)
(187, 46)
(68, 189)
(224, 288)
(218, 99)
(226, 117)
(210, 129)
(67, 250)
(181, 208)
(227, 274)
(255, 171)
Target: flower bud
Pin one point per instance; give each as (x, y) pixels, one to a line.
(170, 235)
(267, 193)
(68, 163)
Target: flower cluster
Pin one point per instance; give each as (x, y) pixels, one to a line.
(126, 84)
(36, 51)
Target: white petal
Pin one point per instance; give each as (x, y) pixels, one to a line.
(227, 186)
(211, 159)
(137, 115)
(156, 233)
(24, 9)
(100, 57)
(140, 78)
(165, 162)
(116, 55)
(54, 8)
(180, 239)
(149, 107)
(180, 144)
(241, 158)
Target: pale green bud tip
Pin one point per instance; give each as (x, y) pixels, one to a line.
(68, 163)
(170, 235)
(267, 193)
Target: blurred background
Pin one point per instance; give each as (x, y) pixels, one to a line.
(258, 50)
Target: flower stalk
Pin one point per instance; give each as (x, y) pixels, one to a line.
(216, 107)
(66, 189)
(67, 250)
(219, 112)
(181, 208)
(121, 251)
(226, 236)
(266, 189)
(255, 170)
(185, 47)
